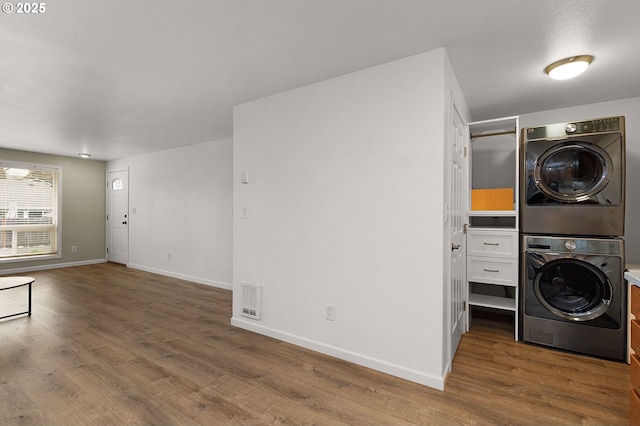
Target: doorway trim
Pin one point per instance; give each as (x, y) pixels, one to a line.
(111, 216)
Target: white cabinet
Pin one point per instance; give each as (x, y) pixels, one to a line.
(492, 270)
(492, 237)
(492, 243)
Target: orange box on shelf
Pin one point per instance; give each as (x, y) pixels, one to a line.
(492, 199)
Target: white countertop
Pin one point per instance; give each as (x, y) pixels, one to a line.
(633, 274)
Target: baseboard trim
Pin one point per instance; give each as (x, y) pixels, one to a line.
(198, 280)
(356, 358)
(51, 266)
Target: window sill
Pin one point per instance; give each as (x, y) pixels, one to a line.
(29, 258)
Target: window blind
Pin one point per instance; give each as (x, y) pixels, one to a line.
(29, 210)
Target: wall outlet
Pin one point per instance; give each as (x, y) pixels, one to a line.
(74, 249)
(330, 312)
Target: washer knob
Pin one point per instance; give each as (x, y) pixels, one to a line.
(571, 128)
(570, 245)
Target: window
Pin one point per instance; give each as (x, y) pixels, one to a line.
(117, 184)
(29, 210)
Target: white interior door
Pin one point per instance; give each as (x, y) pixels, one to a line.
(458, 212)
(118, 217)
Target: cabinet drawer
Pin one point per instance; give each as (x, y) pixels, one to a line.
(635, 336)
(492, 243)
(634, 415)
(634, 371)
(635, 300)
(493, 271)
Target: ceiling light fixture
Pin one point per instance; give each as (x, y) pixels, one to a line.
(84, 155)
(568, 67)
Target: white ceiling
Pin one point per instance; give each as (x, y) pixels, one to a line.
(119, 78)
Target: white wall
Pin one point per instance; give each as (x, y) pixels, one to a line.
(345, 207)
(182, 200)
(630, 108)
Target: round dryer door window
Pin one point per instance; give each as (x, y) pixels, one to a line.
(573, 289)
(573, 172)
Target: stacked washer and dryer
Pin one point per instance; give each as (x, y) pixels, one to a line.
(572, 203)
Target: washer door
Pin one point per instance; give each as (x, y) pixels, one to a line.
(573, 289)
(573, 172)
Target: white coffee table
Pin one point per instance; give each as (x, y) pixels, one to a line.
(7, 283)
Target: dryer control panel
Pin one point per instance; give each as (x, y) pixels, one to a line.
(559, 130)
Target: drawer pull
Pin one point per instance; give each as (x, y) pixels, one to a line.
(491, 244)
(491, 270)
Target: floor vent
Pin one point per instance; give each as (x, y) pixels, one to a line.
(251, 300)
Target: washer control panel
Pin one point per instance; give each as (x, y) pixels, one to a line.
(608, 246)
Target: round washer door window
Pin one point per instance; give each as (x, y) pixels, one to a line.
(573, 289)
(573, 172)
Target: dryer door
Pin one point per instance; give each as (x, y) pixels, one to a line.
(573, 172)
(573, 289)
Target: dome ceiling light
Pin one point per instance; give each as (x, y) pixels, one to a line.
(568, 67)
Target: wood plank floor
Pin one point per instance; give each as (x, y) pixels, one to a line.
(108, 345)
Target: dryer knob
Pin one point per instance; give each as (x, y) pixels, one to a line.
(570, 245)
(571, 128)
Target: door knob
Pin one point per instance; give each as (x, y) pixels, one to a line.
(455, 246)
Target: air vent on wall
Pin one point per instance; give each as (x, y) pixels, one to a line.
(251, 300)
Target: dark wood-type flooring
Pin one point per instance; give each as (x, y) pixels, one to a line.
(109, 345)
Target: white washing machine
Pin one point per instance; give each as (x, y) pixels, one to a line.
(574, 295)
